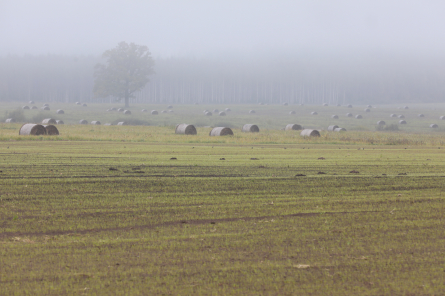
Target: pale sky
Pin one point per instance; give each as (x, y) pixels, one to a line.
(213, 28)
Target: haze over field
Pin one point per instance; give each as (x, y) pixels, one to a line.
(299, 51)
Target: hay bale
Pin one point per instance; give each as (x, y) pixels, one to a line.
(292, 112)
(31, 102)
(293, 127)
(421, 115)
(221, 131)
(60, 122)
(325, 105)
(31, 129)
(154, 112)
(310, 133)
(10, 120)
(49, 121)
(34, 107)
(83, 121)
(358, 116)
(393, 115)
(84, 105)
(222, 113)
(46, 105)
(285, 104)
(144, 110)
(208, 113)
(185, 129)
(250, 128)
(381, 122)
(215, 111)
(120, 110)
(25, 107)
(95, 122)
(78, 103)
(60, 111)
(113, 109)
(331, 128)
(402, 122)
(163, 111)
(339, 129)
(367, 110)
(170, 107)
(334, 116)
(442, 117)
(349, 106)
(228, 110)
(406, 107)
(369, 106)
(401, 116)
(434, 125)
(45, 108)
(122, 123)
(128, 112)
(51, 130)
(205, 111)
(252, 112)
(349, 115)
(314, 113)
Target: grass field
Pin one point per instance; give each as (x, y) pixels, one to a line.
(138, 210)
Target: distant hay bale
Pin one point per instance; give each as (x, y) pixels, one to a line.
(83, 121)
(310, 133)
(60, 111)
(84, 105)
(122, 123)
(358, 116)
(221, 131)
(434, 125)
(113, 109)
(10, 120)
(169, 107)
(34, 107)
(285, 104)
(45, 108)
(314, 113)
(51, 130)
(78, 103)
(31, 129)
(205, 111)
(401, 116)
(340, 129)
(95, 122)
(31, 102)
(120, 110)
(215, 111)
(252, 112)
(185, 129)
(442, 117)
(163, 111)
(331, 128)
(128, 112)
(25, 107)
(60, 122)
(393, 115)
(421, 115)
(228, 110)
(325, 105)
(222, 113)
(292, 112)
(402, 122)
(144, 110)
(208, 113)
(381, 122)
(46, 105)
(406, 107)
(369, 106)
(49, 121)
(349, 115)
(367, 110)
(250, 128)
(154, 112)
(349, 106)
(293, 127)
(334, 116)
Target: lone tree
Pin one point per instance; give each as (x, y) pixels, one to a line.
(126, 71)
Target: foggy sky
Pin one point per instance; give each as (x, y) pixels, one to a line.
(227, 27)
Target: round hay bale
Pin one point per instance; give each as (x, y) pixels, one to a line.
(314, 113)
(349, 115)
(170, 107)
(113, 109)
(369, 106)
(222, 113)
(83, 121)
(78, 103)
(367, 110)
(46, 105)
(442, 117)
(293, 127)
(49, 121)
(292, 112)
(60, 111)
(10, 120)
(434, 125)
(402, 122)
(331, 128)
(381, 122)
(215, 111)
(221, 131)
(144, 110)
(122, 123)
(95, 122)
(358, 116)
(120, 110)
(406, 107)
(252, 112)
(31, 102)
(339, 129)
(185, 129)
(421, 115)
(401, 116)
(334, 116)
(128, 112)
(325, 105)
(45, 108)
(84, 105)
(51, 130)
(285, 104)
(163, 111)
(60, 122)
(29, 129)
(349, 106)
(228, 110)
(154, 112)
(25, 107)
(393, 115)
(208, 113)
(310, 133)
(250, 128)
(34, 107)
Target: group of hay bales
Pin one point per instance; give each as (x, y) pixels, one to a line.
(336, 128)
(37, 129)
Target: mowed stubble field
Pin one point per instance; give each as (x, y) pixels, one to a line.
(270, 213)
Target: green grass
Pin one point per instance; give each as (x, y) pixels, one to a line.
(200, 225)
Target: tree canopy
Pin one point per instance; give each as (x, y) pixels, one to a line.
(127, 70)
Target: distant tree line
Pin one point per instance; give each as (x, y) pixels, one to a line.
(306, 79)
